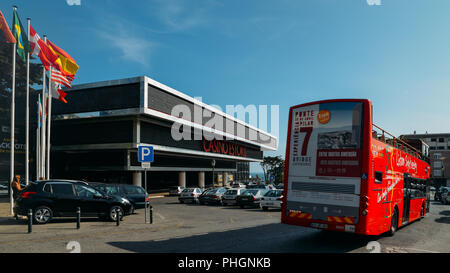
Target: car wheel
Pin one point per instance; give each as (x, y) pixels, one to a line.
(394, 223)
(42, 215)
(113, 213)
(181, 201)
(241, 206)
(265, 208)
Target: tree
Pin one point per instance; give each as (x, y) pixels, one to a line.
(273, 165)
(6, 51)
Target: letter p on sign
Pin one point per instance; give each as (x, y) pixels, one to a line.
(145, 154)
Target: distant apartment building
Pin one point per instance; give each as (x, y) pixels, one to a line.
(439, 153)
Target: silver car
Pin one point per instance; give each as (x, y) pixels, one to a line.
(229, 197)
(190, 195)
(175, 190)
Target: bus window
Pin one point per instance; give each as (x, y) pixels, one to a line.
(378, 177)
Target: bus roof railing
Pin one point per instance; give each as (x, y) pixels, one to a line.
(397, 143)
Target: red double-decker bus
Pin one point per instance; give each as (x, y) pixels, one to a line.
(344, 173)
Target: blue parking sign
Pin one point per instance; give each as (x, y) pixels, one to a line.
(145, 153)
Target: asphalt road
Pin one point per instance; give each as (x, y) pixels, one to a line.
(210, 229)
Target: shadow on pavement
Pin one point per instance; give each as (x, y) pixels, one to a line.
(271, 238)
(445, 219)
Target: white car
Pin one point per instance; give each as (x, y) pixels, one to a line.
(272, 199)
(229, 197)
(190, 195)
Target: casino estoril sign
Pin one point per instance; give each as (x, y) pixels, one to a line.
(224, 147)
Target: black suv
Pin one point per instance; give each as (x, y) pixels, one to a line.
(60, 198)
(135, 194)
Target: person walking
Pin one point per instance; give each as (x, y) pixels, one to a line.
(15, 186)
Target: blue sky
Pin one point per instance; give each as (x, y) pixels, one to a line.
(266, 52)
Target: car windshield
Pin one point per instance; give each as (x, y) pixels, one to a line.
(112, 190)
(84, 191)
(188, 190)
(250, 192)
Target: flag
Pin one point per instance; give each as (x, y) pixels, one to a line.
(57, 76)
(23, 46)
(57, 93)
(40, 49)
(68, 65)
(6, 31)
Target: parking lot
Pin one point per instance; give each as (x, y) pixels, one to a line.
(205, 228)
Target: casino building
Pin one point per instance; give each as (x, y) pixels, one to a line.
(96, 137)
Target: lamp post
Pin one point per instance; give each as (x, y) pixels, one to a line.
(213, 164)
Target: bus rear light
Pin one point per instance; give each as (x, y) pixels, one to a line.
(365, 205)
(365, 198)
(364, 212)
(27, 194)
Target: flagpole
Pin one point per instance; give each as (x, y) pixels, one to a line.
(49, 120)
(27, 115)
(44, 110)
(38, 138)
(13, 110)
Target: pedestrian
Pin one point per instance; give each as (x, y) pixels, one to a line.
(15, 186)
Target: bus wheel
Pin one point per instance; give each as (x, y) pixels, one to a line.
(394, 223)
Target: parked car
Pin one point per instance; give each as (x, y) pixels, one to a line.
(176, 190)
(445, 196)
(250, 197)
(272, 199)
(229, 197)
(190, 194)
(238, 185)
(60, 198)
(260, 186)
(135, 194)
(212, 196)
(437, 195)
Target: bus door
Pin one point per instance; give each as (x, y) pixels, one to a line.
(406, 198)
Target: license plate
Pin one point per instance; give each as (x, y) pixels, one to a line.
(319, 225)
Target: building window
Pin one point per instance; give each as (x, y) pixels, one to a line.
(437, 173)
(433, 140)
(441, 139)
(432, 148)
(437, 164)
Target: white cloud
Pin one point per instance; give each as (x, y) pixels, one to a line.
(374, 2)
(135, 46)
(73, 2)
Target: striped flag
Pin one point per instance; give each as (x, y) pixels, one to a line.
(56, 81)
(58, 77)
